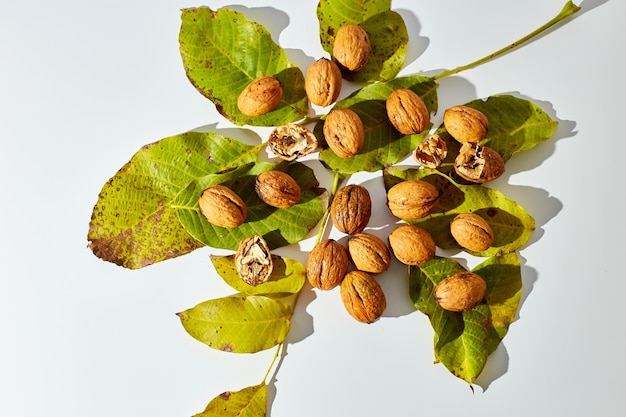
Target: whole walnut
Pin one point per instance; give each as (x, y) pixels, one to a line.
(407, 111)
(351, 47)
(412, 244)
(465, 124)
(471, 232)
(344, 132)
(412, 199)
(351, 209)
(460, 292)
(369, 253)
(478, 163)
(260, 96)
(322, 82)
(253, 260)
(362, 296)
(222, 207)
(291, 141)
(327, 264)
(277, 189)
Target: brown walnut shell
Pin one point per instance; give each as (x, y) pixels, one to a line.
(322, 82)
(253, 260)
(465, 124)
(351, 47)
(471, 232)
(327, 264)
(222, 207)
(478, 163)
(412, 199)
(362, 296)
(412, 244)
(407, 111)
(460, 292)
(277, 189)
(292, 141)
(369, 253)
(351, 209)
(344, 132)
(431, 152)
(260, 96)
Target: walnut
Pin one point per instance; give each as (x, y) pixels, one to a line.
(351, 47)
(460, 292)
(351, 209)
(291, 141)
(260, 96)
(478, 163)
(327, 264)
(465, 124)
(412, 199)
(362, 296)
(431, 152)
(253, 260)
(407, 112)
(369, 253)
(412, 244)
(344, 132)
(277, 189)
(322, 82)
(471, 232)
(222, 207)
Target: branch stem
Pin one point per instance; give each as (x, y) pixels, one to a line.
(568, 10)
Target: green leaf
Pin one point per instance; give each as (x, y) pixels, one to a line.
(385, 28)
(383, 145)
(288, 276)
(133, 223)
(464, 341)
(279, 227)
(515, 125)
(511, 224)
(223, 52)
(242, 323)
(248, 402)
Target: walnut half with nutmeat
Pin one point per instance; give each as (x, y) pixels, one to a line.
(253, 260)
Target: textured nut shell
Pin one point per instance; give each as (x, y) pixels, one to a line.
(362, 296)
(477, 163)
(431, 152)
(412, 245)
(327, 264)
(253, 260)
(222, 207)
(351, 209)
(277, 189)
(460, 292)
(369, 253)
(351, 48)
(407, 112)
(322, 82)
(344, 132)
(260, 96)
(465, 124)
(471, 232)
(291, 141)
(412, 199)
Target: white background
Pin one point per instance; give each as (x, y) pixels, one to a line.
(84, 84)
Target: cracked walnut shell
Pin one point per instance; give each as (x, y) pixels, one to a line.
(362, 296)
(478, 163)
(291, 141)
(222, 207)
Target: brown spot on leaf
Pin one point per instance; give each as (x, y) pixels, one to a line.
(226, 347)
(225, 395)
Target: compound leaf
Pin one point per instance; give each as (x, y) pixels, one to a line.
(248, 402)
(222, 52)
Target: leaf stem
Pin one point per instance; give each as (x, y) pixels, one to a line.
(568, 10)
(269, 369)
(336, 180)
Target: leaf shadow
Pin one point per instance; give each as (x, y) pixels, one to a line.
(418, 44)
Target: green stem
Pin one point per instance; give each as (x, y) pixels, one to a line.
(336, 180)
(568, 10)
(278, 348)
